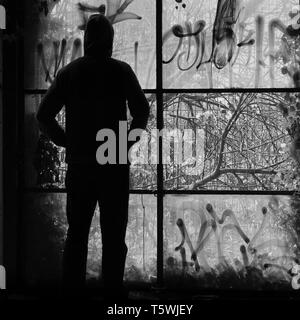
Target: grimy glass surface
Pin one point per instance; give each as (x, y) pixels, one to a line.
(209, 241)
(44, 162)
(236, 141)
(228, 242)
(44, 230)
(55, 37)
(230, 43)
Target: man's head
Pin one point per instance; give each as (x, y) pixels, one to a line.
(99, 36)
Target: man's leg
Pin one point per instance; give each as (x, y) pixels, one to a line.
(80, 210)
(113, 202)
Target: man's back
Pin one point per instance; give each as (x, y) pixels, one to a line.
(94, 92)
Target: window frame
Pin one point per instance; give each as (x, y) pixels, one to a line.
(160, 192)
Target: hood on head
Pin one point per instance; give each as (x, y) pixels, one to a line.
(98, 36)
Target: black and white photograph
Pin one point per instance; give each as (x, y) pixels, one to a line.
(150, 155)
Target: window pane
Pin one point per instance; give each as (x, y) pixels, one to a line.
(240, 248)
(225, 141)
(46, 51)
(244, 44)
(221, 141)
(143, 173)
(45, 228)
(44, 162)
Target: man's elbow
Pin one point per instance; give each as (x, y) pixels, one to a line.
(39, 117)
(147, 109)
(42, 119)
(43, 122)
(144, 116)
(147, 114)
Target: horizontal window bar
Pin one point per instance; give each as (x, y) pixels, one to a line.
(222, 192)
(227, 90)
(231, 90)
(64, 190)
(176, 192)
(43, 91)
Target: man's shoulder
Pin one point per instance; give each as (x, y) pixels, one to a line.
(121, 64)
(84, 60)
(73, 64)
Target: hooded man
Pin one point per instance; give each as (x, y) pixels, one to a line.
(95, 90)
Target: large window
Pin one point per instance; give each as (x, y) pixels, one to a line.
(220, 77)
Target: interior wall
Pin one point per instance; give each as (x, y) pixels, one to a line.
(12, 109)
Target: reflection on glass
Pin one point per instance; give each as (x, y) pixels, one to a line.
(44, 163)
(45, 228)
(223, 141)
(229, 44)
(229, 242)
(54, 37)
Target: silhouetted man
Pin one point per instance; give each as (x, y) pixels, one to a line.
(95, 90)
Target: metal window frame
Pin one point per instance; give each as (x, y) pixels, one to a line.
(159, 192)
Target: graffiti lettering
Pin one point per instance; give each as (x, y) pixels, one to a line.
(217, 227)
(57, 57)
(228, 38)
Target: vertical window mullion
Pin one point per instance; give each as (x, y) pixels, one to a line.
(159, 88)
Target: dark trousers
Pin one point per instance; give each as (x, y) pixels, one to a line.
(87, 185)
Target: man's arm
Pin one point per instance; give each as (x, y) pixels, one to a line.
(137, 102)
(50, 106)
